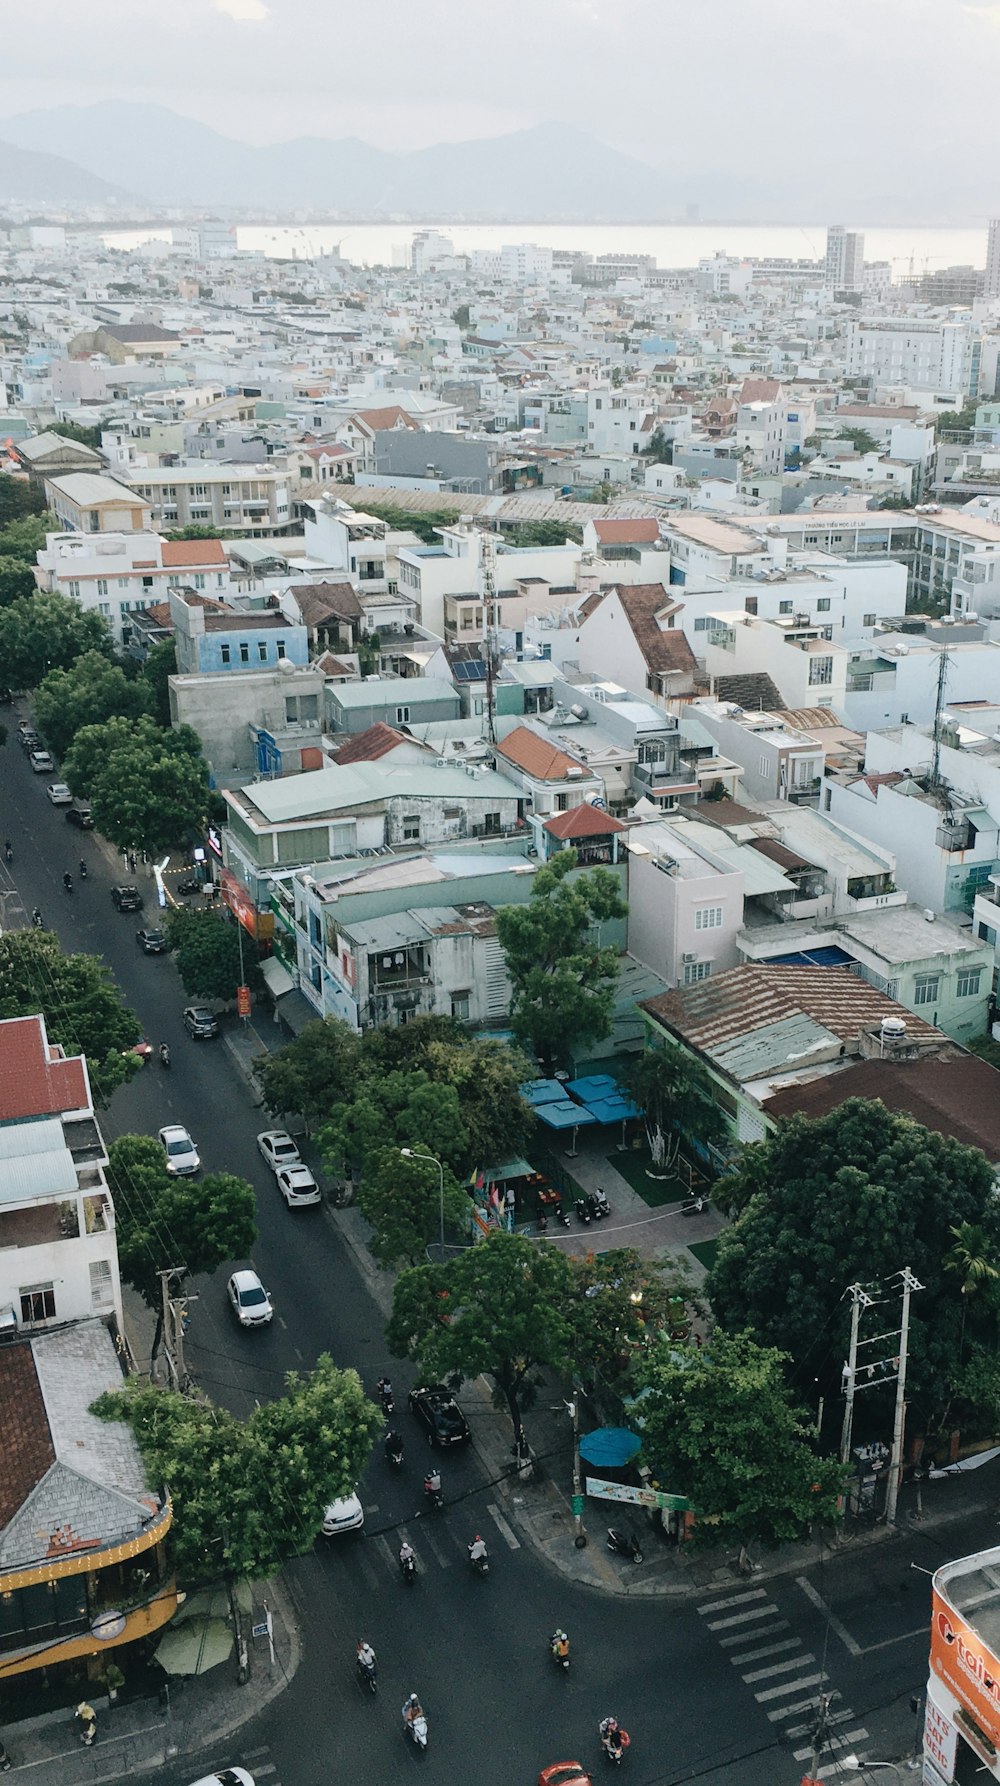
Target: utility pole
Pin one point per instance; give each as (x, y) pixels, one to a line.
(942, 677)
(166, 1321)
(573, 1410)
(909, 1283)
(860, 1299)
(818, 1739)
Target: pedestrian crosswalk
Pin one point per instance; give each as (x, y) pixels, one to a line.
(783, 1675)
(439, 1543)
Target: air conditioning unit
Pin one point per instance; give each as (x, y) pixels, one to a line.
(689, 956)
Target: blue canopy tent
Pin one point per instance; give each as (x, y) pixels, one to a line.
(610, 1447)
(565, 1115)
(605, 1099)
(542, 1091)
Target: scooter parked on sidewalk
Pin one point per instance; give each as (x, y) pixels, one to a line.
(624, 1544)
(582, 1207)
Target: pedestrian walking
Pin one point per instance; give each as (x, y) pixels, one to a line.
(88, 1722)
(131, 861)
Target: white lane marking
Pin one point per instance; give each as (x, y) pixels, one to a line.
(503, 1528)
(807, 1680)
(387, 1551)
(831, 1718)
(773, 1668)
(368, 1570)
(791, 1711)
(271, 1768)
(733, 1600)
(742, 1618)
(830, 1616)
(768, 1649)
(435, 1549)
(726, 1643)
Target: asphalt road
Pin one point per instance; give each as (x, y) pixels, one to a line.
(707, 1688)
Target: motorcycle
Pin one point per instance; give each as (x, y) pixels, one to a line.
(432, 1490)
(367, 1673)
(68, 882)
(582, 1207)
(36, 920)
(478, 1556)
(394, 1450)
(386, 1396)
(601, 1205)
(614, 1740)
(624, 1544)
(415, 1725)
(8, 852)
(408, 1565)
(559, 1649)
(164, 1055)
(190, 884)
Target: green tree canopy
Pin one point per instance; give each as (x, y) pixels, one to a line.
(160, 665)
(76, 431)
(401, 1198)
(853, 1196)
(91, 691)
(620, 1306)
(147, 788)
(196, 1225)
(25, 538)
(39, 633)
(207, 951)
(719, 1427)
(79, 999)
(860, 439)
(18, 498)
(17, 582)
(563, 980)
(660, 450)
(677, 1098)
(498, 1309)
(312, 1072)
(249, 1494)
(193, 531)
(956, 421)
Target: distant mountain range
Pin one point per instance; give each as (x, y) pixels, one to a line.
(32, 177)
(549, 172)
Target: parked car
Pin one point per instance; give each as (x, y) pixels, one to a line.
(200, 1022)
(41, 762)
(561, 1773)
(126, 899)
(81, 817)
(439, 1414)
(298, 1186)
(29, 740)
(278, 1149)
(59, 793)
(249, 1300)
(345, 1515)
(229, 1776)
(182, 1155)
(151, 942)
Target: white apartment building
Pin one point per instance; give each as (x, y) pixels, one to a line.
(808, 669)
(894, 681)
(118, 574)
(919, 352)
(243, 499)
(991, 287)
(58, 1255)
(760, 425)
(844, 266)
(525, 263)
(619, 420)
(845, 598)
(778, 761)
(946, 846)
(685, 903)
(721, 276)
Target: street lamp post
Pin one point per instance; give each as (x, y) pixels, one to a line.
(410, 1153)
(857, 1766)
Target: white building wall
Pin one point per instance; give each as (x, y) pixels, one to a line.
(663, 926)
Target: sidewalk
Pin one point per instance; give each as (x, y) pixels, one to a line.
(191, 1715)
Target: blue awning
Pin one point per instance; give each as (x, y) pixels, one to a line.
(610, 1446)
(613, 1109)
(595, 1085)
(542, 1091)
(565, 1115)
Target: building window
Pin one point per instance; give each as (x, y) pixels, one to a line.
(402, 716)
(868, 619)
(926, 988)
(225, 653)
(244, 653)
(262, 650)
(708, 917)
(102, 585)
(987, 934)
(784, 607)
(38, 1303)
(199, 580)
(823, 605)
(101, 1285)
(411, 827)
(460, 1006)
(820, 671)
(695, 971)
(74, 589)
(95, 521)
(967, 985)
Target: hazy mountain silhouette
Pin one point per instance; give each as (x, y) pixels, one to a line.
(30, 176)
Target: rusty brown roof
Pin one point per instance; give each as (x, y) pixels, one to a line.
(954, 1093)
(663, 649)
(732, 1004)
(28, 1451)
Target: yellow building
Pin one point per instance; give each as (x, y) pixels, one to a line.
(83, 1570)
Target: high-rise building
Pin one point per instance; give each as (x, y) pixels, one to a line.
(991, 288)
(845, 259)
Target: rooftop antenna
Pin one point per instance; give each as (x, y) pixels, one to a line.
(487, 585)
(942, 677)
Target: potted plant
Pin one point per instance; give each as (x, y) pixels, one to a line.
(113, 1680)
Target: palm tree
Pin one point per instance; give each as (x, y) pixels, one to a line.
(974, 1259)
(676, 1097)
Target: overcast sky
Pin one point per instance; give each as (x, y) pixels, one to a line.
(880, 84)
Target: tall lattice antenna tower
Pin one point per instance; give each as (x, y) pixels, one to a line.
(491, 641)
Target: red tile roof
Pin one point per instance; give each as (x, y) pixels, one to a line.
(760, 390)
(536, 756)
(193, 552)
(368, 746)
(35, 1079)
(628, 533)
(28, 1451)
(663, 649)
(953, 1093)
(379, 419)
(583, 821)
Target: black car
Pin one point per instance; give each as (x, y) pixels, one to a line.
(439, 1415)
(81, 817)
(127, 899)
(200, 1022)
(151, 942)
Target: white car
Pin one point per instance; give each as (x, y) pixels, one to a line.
(59, 793)
(297, 1185)
(229, 1776)
(249, 1300)
(346, 1515)
(278, 1149)
(182, 1155)
(41, 761)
